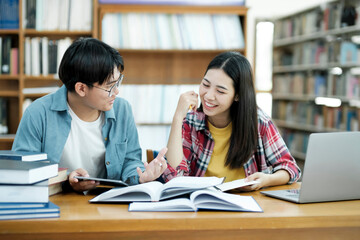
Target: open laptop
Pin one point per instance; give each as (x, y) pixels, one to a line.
(331, 171)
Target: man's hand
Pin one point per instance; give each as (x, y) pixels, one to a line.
(80, 186)
(154, 169)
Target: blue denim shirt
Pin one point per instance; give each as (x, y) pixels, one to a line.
(46, 124)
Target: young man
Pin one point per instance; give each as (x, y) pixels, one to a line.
(83, 126)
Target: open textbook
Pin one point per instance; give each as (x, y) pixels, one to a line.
(201, 199)
(155, 191)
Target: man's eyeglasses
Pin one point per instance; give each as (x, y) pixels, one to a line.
(112, 89)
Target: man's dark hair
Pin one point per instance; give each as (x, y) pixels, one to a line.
(88, 60)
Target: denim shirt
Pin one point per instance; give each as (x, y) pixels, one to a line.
(45, 127)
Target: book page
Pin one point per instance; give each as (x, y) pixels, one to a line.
(235, 184)
(174, 205)
(140, 192)
(216, 200)
(182, 185)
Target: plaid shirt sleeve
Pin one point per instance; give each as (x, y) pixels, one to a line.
(275, 151)
(183, 169)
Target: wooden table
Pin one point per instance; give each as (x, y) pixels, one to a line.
(280, 220)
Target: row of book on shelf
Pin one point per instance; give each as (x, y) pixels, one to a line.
(318, 84)
(331, 15)
(343, 118)
(43, 55)
(63, 15)
(27, 179)
(343, 51)
(9, 55)
(172, 31)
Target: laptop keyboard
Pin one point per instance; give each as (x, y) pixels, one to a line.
(293, 192)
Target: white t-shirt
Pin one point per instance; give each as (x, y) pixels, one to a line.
(84, 147)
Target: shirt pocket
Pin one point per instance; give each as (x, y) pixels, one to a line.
(120, 153)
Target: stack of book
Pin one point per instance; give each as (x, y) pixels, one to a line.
(24, 186)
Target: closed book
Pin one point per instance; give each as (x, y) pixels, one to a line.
(55, 183)
(22, 155)
(37, 192)
(49, 210)
(55, 188)
(61, 176)
(19, 172)
(17, 205)
(156, 191)
(202, 199)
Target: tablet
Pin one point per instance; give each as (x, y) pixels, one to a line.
(103, 181)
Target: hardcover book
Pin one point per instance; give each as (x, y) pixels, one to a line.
(49, 210)
(201, 199)
(155, 191)
(19, 172)
(22, 155)
(30, 193)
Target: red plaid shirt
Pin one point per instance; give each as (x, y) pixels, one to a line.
(271, 153)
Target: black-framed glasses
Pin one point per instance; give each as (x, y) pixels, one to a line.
(112, 89)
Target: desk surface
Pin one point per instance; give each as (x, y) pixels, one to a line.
(280, 219)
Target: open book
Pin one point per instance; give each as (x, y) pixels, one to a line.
(235, 184)
(201, 199)
(155, 191)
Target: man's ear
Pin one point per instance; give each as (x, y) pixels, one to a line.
(81, 89)
(236, 99)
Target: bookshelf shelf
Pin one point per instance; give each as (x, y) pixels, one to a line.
(5, 93)
(312, 67)
(316, 58)
(33, 32)
(12, 86)
(165, 51)
(9, 77)
(316, 36)
(9, 31)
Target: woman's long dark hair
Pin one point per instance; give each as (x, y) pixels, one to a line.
(243, 111)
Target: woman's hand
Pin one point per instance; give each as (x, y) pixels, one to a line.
(80, 186)
(154, 169)
(187, 101)
(280, 177)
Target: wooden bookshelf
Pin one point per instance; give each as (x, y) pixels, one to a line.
(311, 60)
(12, 85)
(171, 66)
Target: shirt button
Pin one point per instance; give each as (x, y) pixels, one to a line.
(107, 163)
(106, 139)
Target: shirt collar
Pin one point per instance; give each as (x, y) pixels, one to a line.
(60, 100)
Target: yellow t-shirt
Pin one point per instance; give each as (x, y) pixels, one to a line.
(217, 166)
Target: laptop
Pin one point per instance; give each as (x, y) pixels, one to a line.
(331, 171)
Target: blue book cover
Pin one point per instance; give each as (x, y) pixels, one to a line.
(49, 210)
(22, 155)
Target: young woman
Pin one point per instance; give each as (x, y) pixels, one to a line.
(228, 135)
